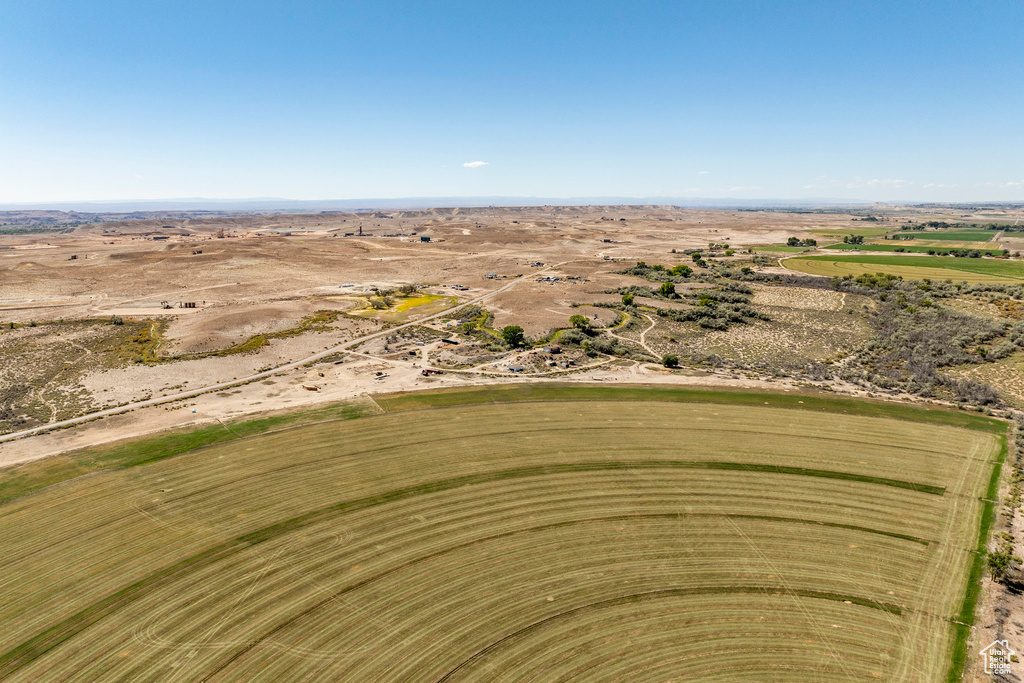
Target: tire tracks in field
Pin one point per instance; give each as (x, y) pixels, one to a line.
(836, 441)
(913, 633)
(663, 594)
(47, 640)
(267, 638)
(797, 596)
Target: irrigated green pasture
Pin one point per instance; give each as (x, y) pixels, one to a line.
(910, 247)
(912, 267)
(781, 248)
(954, 235)
(517, 534)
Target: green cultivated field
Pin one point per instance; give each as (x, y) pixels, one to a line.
(782, 248)
(912, 267)
(909, 247)
(519, 533)
(953, 235)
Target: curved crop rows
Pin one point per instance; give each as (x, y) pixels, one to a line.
(597, 540)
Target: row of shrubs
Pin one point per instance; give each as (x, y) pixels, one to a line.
(962, 253)
(916, 337)
(712, 315)
(657, 273)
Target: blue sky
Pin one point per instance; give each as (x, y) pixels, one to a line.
(893, 100)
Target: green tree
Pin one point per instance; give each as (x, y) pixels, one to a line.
(670, 360)
(627, 299)
(1001, 561)
(696, 256)
(513, 335)
(682, 270)
(667, 290)
(579, 322)
(793, 242)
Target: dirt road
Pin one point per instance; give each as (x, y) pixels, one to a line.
(260, 375)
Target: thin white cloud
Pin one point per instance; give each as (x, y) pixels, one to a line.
(718, 191)
(704, 172)
(879, 182)
(888, 182)
(1014, 183)
(475, 164)
(809, 187)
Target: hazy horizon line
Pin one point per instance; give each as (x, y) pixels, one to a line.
(455, 201)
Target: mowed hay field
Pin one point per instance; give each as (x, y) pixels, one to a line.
(536, 534)
(912, 267)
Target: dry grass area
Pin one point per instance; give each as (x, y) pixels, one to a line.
(805, 325)
(514, 541)
(269, 273)
(40, 375)
(189, 334)
(1005, 375)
